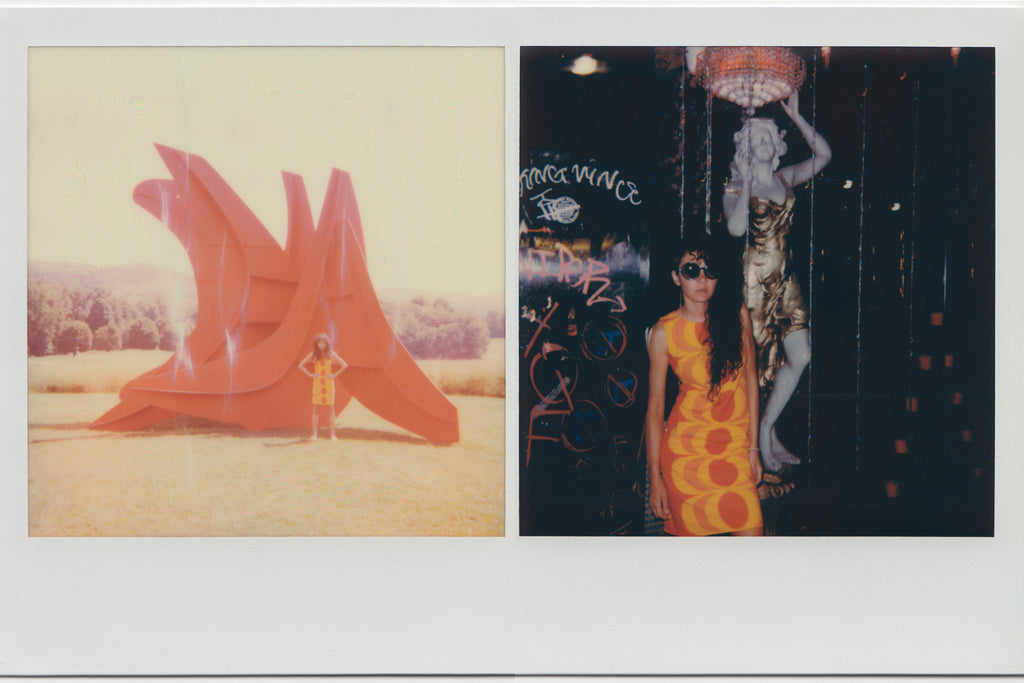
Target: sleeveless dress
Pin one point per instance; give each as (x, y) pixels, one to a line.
(704, 459)
(772, 293)
(323, 383)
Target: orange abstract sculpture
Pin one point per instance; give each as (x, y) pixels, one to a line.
(260, 308)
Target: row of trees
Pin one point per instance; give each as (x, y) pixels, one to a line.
(436, 330)
(62, 320)
(496, 324)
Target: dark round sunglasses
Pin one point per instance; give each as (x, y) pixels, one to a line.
(691, 271)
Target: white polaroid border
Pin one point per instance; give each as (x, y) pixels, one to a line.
(225, 606)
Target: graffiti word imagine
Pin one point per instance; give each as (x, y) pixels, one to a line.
(624, 190)
(571, 270)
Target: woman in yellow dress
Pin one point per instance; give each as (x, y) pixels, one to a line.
(323, 358)
(703, 461)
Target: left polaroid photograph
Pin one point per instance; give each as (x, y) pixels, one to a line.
(266, 291)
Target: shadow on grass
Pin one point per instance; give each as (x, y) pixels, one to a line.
(66, 427)
(357, 433)
(61, 426)
(352, 434)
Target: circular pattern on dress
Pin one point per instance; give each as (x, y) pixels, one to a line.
(717, 440)
(725, 407)
(722, 473)
(720, 511)
(689, 476)
(704, 459)
(323, 383)
(733, 510)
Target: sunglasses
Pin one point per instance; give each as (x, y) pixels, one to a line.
(691, 271)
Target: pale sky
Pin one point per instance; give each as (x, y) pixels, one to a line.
(420, 130)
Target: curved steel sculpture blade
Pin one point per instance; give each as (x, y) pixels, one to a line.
(260, 308)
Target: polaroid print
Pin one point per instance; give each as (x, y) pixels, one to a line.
(265, 291)
(604, 173)
(757, 291)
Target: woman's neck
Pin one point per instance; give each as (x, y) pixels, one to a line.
(693, 311)
(763, 174)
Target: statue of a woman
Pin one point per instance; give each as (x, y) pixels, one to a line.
(759, 200)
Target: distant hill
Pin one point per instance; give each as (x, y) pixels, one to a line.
(137, 280)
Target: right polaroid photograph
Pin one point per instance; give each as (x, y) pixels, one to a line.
(757, 291)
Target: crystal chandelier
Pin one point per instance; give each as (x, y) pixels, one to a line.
(748, 76)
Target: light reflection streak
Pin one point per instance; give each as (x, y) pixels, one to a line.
(860, 263)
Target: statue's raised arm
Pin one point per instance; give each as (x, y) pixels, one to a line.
(821, 153)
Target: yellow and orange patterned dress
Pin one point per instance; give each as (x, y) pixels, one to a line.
(704, 459)
(323, 383)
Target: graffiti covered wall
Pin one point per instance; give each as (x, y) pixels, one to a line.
(583, 274)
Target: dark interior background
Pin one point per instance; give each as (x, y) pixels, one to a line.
(894, 248)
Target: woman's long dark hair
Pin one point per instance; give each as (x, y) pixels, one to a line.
(317, 353)
(724, 330)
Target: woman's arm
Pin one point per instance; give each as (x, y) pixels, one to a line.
(338, 359)
(821, 153)
(657, 349)
(302, 364)
(750, 372)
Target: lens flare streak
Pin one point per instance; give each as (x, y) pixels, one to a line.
(860, 262)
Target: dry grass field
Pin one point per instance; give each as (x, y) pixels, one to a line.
(190, 477)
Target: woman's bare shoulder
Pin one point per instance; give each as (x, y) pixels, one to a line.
(657, 335)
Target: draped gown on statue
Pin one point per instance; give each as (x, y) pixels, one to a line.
(772, 292)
